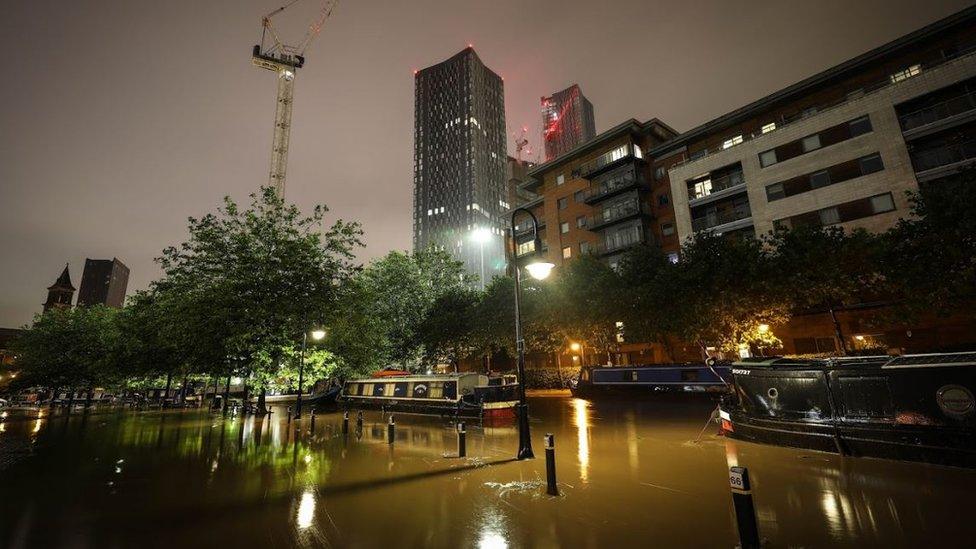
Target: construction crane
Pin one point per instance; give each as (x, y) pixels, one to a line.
(285, 60)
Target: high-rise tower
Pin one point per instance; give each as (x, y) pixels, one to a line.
(460, 198)
(567, 121)
(60, 293)
(103, 282)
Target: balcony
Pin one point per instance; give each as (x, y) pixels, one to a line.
(933, 163)
(620, 241)
(525, 227)
(609, 160)
(615, 213)
(734, 218)
(613, 187)
(705, 191)
(955, 110)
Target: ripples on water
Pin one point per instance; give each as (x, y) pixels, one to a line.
(629, 474)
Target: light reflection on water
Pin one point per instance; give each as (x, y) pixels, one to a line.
(634, 475)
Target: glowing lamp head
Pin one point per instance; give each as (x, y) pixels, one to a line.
(318, 334)
(539, 270)
(481, 235)
(574, 346)
(763, 328)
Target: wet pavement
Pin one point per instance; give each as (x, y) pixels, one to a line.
(630, 475)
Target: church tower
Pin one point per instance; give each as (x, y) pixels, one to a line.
(59, 295)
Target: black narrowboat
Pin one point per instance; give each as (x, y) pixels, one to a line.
(651, 380)
(460, 394)
(911, 407)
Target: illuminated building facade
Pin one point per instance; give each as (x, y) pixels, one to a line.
(460, 195)
(567, 121)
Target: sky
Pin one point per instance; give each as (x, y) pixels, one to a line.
(121, 118)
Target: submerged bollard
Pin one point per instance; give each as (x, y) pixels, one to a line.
(745, 511)
(462, 443)
(313, 421)
(551, 487)
(390, 430)
(359, 422)
(345, 422)
(289, 414)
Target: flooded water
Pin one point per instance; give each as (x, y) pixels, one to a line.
(630, 475)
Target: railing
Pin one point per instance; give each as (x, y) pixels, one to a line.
(627, 180)
(869, 89)
(618, 242)
(733, 179)
(714, 219)
(939, 111)
(526, 226)
(619, 153)
(615, 212)
(943, 156)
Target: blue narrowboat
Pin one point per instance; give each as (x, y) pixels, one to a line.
(651, 380)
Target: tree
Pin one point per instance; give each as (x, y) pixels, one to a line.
(645, 297)
(447, 331)
(824, 267)
(929, 260)
(725, 290)
(585, 303)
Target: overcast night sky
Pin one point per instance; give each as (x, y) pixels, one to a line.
(118, 119)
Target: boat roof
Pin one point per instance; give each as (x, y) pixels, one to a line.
(884, 361)
(415, 377)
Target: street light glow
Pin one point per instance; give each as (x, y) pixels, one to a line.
(481, 234)
(318, 334)
(574, 346)
(539, 270)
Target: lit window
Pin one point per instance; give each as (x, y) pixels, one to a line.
(562, 203)
(732, 142)
(560, 179)
(564, 227)
(567, 252)
(914, 70)
(580, 221)
(769, 127)
(430, 212)
(811, 143)
(667, 229)
(637, 152)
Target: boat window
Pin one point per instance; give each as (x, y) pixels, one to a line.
(689, 375)
(378, 389)
(352, 388)
(421, 390)
(450, 390)
(436, 389)
(389, 389)
(633, 375)
(367, 389)
(400, 389)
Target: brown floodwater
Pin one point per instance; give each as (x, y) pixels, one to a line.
(630, 475)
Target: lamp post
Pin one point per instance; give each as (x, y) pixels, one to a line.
(316, 335)
(538, 270)
(579, 350)
(481, 235)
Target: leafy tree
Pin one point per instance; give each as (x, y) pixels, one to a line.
(929, 259)
(447, 332)
(585, 303)
(495, 317)
(824, 267)
(645, 297)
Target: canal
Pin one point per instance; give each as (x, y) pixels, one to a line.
(630, 475)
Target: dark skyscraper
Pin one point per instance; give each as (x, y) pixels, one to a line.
(459, 163)
(567, 121)
(60, 293)
(103, 282)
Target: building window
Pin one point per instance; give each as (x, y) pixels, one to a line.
(564, 227)
(667, 229)
(732, 142)
(584, 247)
(914, 70)
(775, 192)
(578, 197)
(562, 203)
(860, 126)
(767, 158)
(662, 200)
(637, 151)
(819, 179)
(698, 154)
(580, 221)
(567, 252)
(829, 216)
(809, 111)
(769, 127)
(811, 143)
(882, 203)
(560, 179)
(659, 173)
(871, 164)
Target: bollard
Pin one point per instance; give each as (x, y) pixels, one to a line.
(345, 423)
(289, 414)
(313, 422)
(745, 511)
(390, 430)
(359, 421)
(462, 443)
(551, 487)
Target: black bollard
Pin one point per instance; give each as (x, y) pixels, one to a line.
(313, 422)
(289, 414)
(359, 421)
(345, 423)
(462, 443)
(551, 487)
(390, 430)
(745, 511)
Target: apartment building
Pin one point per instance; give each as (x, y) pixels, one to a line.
(839, 148)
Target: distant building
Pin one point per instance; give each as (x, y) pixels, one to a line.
(460, 197)
(103, 282)
(60, 294)
(7, 337)
(567, 121)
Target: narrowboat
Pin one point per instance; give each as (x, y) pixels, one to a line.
(652, 380)
(458, 394)
(910, 407)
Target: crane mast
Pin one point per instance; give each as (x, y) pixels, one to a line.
(285, 60)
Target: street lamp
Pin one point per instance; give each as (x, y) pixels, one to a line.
(538, 270)
(481, 236)
(576, 347)
(317, 335)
